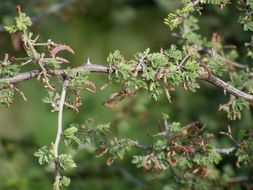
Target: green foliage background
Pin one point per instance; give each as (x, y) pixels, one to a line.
(94, 28)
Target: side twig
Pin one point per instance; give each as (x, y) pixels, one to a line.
(58, 135)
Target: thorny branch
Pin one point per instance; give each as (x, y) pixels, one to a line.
(107, 69)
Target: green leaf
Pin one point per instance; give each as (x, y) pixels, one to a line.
(22, 23)
(45, 155)
(70, 131)
(70, 138)
(65, 181)
(65, 161)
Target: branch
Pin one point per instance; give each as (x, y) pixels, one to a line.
(229, 88)
(107, 69)
(58, 136)
(58, 72)
(224, 151)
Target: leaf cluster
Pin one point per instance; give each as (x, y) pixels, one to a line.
(180, 148)
(157, 73)
(22, 22)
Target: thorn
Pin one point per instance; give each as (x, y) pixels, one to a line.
(88, 61)
(229, 130)
(161, 50)
(5, 61)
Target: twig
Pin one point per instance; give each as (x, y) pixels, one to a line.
(136, 144)
(240, 179)
(183, 61)
(234, 64)
(225, 60)
(225, 151)
(58, 136)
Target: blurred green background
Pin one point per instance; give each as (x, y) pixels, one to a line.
(94, 28)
